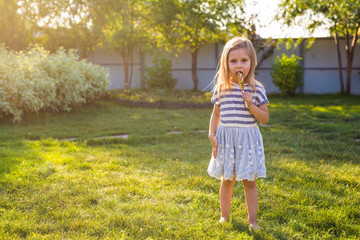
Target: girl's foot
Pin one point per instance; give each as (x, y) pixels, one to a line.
(223, 220)
(254, 226)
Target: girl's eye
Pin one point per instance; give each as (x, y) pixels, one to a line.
(244, 60)
(233, 61)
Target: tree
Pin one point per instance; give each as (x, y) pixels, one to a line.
(342, 18)
(193, 23)
(15, 31)
(63, 23)
(85, 24)
(125, 30)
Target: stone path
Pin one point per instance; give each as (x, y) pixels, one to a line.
(123, 136)
(126, 136)
(179, 132)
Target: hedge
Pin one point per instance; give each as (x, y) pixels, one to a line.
(36, 80)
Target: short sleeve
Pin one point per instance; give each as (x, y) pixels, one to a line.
(260, 97)
(215, 99)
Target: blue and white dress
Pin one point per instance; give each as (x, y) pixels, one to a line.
(240, 145)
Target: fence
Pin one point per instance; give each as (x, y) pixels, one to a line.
(320, 67)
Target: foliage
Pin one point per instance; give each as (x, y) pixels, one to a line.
(154, 185)
(340, 17)
(287, 73)
(159, 75)
(192, 24)
(15, 30)
(37, 80)
(128, 25)
(264, 48)
(126, 30)
(68, 24)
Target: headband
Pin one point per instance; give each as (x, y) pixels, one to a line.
(228, 50)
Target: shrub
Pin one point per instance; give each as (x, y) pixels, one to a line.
(159, 74)
(37, 80)
(287, 73)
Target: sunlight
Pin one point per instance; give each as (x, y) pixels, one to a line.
(67, 18)
(267, 27)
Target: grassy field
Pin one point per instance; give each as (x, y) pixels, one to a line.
(154, 185)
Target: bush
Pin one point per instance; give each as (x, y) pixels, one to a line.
(37, 80)
(287, 73)
(159, 75)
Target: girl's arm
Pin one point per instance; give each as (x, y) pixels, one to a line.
(261, 113)
(214, 123)
(214, 120)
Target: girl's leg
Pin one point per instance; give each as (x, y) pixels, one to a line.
(226, 190)
(251, 197)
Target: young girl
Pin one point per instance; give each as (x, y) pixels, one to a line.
(237, 146)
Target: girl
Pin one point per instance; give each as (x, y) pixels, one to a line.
(237, 146)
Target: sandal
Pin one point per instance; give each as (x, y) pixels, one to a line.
(223, 220)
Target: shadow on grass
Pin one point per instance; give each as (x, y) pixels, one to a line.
(244, 228)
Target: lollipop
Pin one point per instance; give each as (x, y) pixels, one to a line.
(241, 83)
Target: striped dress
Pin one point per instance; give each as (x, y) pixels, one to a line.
(240, 145)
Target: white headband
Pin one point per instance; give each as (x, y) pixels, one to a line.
(228, 50)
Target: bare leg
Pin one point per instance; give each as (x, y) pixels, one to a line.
(251, 196)
(226, 190)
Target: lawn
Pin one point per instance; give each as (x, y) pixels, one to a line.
(154, 185)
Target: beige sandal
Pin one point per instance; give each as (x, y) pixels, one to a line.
(223, 220)
(255, 228)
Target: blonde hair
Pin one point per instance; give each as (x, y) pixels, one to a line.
(222, 77)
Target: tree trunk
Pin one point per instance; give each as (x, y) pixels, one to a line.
(131, 65)
(350, 49)
(194, 68)
(349, 64)
(339, 62)
(142, 67)
(129, 47)
(84, 52)
(302, 64)
(126, 70)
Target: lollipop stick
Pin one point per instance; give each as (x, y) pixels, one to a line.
(242, 84)
(242, 93)
(245, 101)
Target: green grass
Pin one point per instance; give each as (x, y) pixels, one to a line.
(154, 185)
(170, 96)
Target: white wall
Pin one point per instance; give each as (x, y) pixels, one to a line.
(320, 63)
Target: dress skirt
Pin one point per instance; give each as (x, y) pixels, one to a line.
(240, 154)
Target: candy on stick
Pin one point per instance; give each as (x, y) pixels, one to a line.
(241, 84)
(241, 81)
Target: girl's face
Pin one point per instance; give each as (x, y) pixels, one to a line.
(239, 62)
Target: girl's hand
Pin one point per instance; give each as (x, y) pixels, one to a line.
(214, 143)
(247, 97)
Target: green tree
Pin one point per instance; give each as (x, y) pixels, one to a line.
(341, 17)
(125, 30)
(15, 31)
(193, 23)
(61, 23)
(85, 24)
